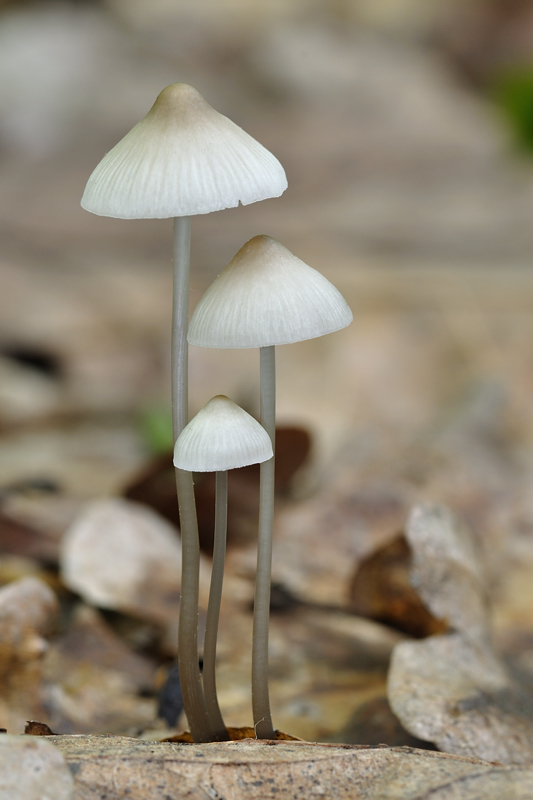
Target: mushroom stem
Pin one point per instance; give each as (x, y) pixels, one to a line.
(180, 324)
(260, 697)
(213, 609)
(191, 683)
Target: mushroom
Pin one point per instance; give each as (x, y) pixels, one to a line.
(182, 159)
(266, 296)
(220, 437)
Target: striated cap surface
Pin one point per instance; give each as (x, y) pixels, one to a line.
(267, 296)
(221, 436)
(182, 159)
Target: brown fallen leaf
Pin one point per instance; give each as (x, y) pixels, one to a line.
(454, 690)
(128, 769)
(381, 590)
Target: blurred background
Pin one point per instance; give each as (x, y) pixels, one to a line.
(406, 131)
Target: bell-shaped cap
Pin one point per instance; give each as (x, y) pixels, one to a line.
(266, 296)
(221, 436)
(183, 158)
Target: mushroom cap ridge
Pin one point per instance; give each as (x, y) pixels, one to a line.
(182, 159)
(267, 296)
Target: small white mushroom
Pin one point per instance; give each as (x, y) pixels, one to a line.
(221, 436)
(266, 296)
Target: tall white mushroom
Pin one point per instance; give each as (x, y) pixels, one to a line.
(182, 159)
(266, 296)
(220, 437)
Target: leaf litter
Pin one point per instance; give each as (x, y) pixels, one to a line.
(423, 338)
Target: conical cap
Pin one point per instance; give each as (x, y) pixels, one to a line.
(221, 436)
(266, 296)
(182, 159)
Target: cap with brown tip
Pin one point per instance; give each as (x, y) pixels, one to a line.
(267, 296)
(182, 159)
(221, 436)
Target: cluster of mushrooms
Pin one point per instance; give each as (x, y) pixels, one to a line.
(183, 159)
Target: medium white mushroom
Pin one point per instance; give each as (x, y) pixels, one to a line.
(182, 159)
(266, 296)
(220, 437)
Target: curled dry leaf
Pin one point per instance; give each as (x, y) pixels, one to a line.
(456, 693)
(453, 690)
(445, 570)
(129, 769)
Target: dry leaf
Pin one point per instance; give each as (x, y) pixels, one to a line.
(445, 570)
(129, 769)
(457, 694)
(453, 690)
(122, 555)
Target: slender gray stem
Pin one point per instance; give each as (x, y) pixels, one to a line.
(190, 679)
(260, 699)
(191, 683)
(180, 324)
(213, 608)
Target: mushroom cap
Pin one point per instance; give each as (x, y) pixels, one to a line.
(182, 159)
(266, 296)
(221, 436)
